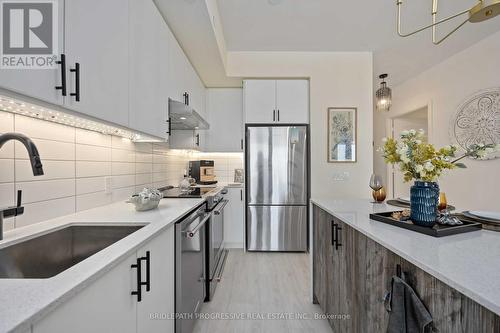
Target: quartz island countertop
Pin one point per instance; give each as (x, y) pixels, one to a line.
(469, 262)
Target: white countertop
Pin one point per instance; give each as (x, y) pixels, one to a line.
(23, 301)
(469, 262)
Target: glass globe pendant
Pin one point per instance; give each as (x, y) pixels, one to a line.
(383, 95)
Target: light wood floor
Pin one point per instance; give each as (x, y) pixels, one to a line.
(262, 283)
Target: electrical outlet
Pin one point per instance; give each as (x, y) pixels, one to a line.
(341, 176)
(108, 185)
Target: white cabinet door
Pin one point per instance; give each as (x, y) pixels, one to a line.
(234, 218)
(38, 83)
(225, 115)
(159, 300)
(164, 74)
(96, 37)
(179, 81)
(104, 306)
(147, 45)
(292, 101)
(259, 101)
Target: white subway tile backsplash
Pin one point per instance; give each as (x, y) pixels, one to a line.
(51, 169)
(92, 169)
(90, 185)
(123, 181)
(122, 143)
(143, 167)
(122, 194)
(49, 150)
(7, 150)
(143, 179)
(143, 157)
(7, 197)
(35, 128)
(123, 168)
(143, 147)
(92, 153)
(120, 155)
(92, 138)
(6, 170)
(46, 190)
(6, 122)
(92, 200)
(45, 210)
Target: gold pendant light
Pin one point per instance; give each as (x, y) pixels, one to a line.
(482, 11)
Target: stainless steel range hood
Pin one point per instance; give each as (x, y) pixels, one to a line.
(184, 117)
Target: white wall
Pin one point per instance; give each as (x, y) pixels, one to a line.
(336, 79)
(446, 86)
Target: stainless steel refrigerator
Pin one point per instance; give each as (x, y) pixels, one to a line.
(277, 188)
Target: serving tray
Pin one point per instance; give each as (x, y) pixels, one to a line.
(437, 230)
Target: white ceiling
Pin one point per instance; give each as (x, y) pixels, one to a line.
(191, 25)
(320, 25)
(334, 25)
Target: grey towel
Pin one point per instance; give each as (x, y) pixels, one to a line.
(407, 313)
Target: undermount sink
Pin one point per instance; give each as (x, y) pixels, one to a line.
(52, 253)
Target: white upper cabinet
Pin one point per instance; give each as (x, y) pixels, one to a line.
(276, 101)
(38, 83)
(148, 49)
(225, 115)
(292, 101)
(259, 101)
(184, 78)
(96, 37)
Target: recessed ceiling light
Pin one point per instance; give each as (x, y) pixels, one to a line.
(182, 118)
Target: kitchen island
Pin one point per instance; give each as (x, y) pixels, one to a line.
(354, 259)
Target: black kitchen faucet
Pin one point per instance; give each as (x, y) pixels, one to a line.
(36, 166)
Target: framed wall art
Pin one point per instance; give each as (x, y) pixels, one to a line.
(342, 135)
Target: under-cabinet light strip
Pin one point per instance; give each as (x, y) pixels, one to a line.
(35, 111)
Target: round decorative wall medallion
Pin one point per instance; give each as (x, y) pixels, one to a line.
(478, 120)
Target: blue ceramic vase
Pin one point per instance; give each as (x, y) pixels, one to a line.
(424, 199)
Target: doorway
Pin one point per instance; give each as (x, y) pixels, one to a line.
(416, 119)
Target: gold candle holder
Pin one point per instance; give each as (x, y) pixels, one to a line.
(380, 195)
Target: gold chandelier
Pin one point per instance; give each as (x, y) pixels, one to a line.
(482, 11)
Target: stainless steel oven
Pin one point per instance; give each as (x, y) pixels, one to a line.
(216, 257)
(190, 268)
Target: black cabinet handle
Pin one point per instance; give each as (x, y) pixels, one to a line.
(334, 232)
(62, 62)
(241, 195)
(147, 258)
(186, 98)
(169, 121)
(76, 70)
(278, 114)
(138, 292)
(337, 243)
(274, 115)
(241, 144)
(198, 140)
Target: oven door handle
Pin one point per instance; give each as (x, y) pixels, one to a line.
(222, 205)
(192, 233)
